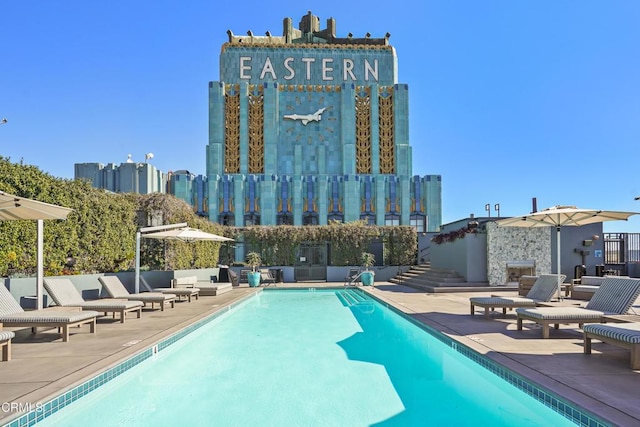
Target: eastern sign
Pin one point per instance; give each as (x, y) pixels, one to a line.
(324, 66)
(305, 65)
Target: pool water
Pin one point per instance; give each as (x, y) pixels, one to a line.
(300, 358)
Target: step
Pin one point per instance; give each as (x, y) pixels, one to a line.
(348, 298)
(433, 284)
(429, 279)
(357, 297)
(462, 287)
(432, 278)
(433, 272)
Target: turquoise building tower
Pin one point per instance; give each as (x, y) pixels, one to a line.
(306, 128)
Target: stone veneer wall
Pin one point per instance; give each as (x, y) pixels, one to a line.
(516, 244)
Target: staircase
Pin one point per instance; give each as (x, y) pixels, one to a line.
(433, 280)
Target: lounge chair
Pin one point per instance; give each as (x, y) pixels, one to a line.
(266, 278)
(114, 287)
(65, 294)
(625, 335)
(204, 288)
(5, 343)
(544, 288)
(181, 292)
(615, 296)
(13, 316)
(352, 277)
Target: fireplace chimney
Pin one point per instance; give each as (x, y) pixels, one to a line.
(534, 205)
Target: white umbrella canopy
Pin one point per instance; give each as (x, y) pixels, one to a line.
(186, 234)
(561, 216)
(20, 208)
(15, 208)
(179, 232)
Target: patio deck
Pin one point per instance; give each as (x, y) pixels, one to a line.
(43, 366)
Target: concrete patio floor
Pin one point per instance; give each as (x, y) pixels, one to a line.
(43, 366)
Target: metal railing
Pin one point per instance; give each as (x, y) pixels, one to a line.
(621, 248)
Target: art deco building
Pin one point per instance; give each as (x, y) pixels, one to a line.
(308, 127)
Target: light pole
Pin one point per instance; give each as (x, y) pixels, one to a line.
(497, 208)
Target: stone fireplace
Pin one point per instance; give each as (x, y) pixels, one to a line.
(518, 268)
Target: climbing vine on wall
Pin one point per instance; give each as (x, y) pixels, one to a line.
(453, 235)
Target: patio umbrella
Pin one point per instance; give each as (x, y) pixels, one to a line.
(186, 234)
(16, 208)
(560, 216)
(172, 232)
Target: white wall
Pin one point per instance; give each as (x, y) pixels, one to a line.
(466, 256)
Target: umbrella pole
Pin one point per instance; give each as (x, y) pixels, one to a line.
(137, 278)
(558, 262)
(40, 268)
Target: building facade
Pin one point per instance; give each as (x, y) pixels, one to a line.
(307, 128)
(189, 187)
(127, 177)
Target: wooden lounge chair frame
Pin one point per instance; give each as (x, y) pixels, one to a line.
(104, 305)
(5, 343)
(615, 296)
(55, 317)
(115, 288)
(543, 289)
(619, 335)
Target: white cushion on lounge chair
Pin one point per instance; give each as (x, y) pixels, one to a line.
(45, 316)
(503, 301)
(12, 315)
(615, 296)
(627, 332)
(544, 288)
(561, 313)
(181, 292)
(6, 335)
(625, 335)
(205, 288)
(116, 289)
(65, 294)
(214, 288)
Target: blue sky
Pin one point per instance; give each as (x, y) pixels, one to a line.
(509, 100)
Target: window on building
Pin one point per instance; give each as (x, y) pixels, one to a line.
(284, 219)
(226, 219)
(392, 220)
(251, 219)
(369, 219)
(338, 217)
(310, 218)
(418, 222)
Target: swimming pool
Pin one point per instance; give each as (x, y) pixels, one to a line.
(326, 357)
